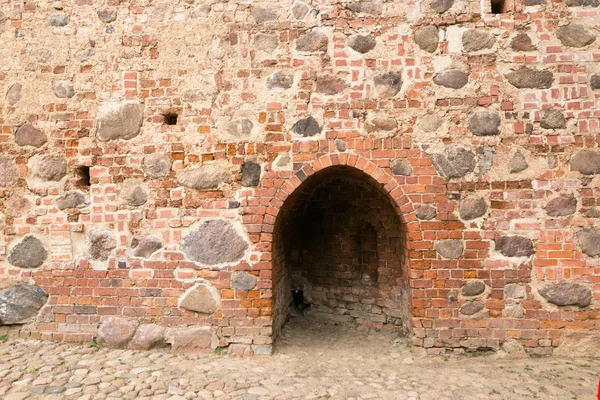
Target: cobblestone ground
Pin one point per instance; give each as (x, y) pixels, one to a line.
(314, 360)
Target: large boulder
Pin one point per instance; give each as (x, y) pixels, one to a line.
(427, 38)
(307, 127)
(452, 78)
(515, 246)
(562, 205)
(454, 162)
(192, 339)
(145, 246)
(205, 177)
(100, 244)
(388, 85)
(29, 135)
(529, 78)
(20, 303)
(51, 169)
(553, 118)
(522, 42)
(72, 199)
(586, 161)
(251, 174)
(134, 195)
(362, 43)
(330, 85)
(157, 165)
(148, 336)
(8, 172)
(214, 242)
(313, 41)
(472, 307)
(202, 298)
(589, 241)
(484, 122)
(426, 212)
(430, 123)
(473, 288)
(472, 207)
(450, 248)
(116, 332)
(119, 120)
(477, 39)
(575, 35)
(28, 253)
(565, 293)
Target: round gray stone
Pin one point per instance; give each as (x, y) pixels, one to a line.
(283, 79)
(453, 79)
(365, 7)
(484, 122)
(8, 172)
(515, 246)
(514, 291)
(575, 35)
(595, 82)
(203, 298)
(430, 123)
(205, 177)
(518, 163)
(58, 20)
(362, 43)
(20, 303)
(313, 41)
(300, 10)
(307, 127)
(13, 94)
(157, 165)
(148, 336)
(100, 244)
(454, 162)
(427, 38)
(566, 293)
(266, 42)
(119, 121)
(29, 135)
(243, 281)
(145, 246)
(63, 89)
(330, 85)
(472, 207)
(473, 288)
(401, 167)
(72, 199)
(586, 161)
(116, 332)
(560, 206)
(553, 118)
(28, 253)
(381, 124)
(341, 145)
(472, 307)
(214, 242)
(51, 169)
(426, 212)
(589, 241)
(450, 248)
(477, 39)
(107, 15)
(529, 78)
(441, 6)
(251, 174)
(134, 196)
(388, 85)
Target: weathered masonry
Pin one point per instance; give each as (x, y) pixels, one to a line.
(170, 171)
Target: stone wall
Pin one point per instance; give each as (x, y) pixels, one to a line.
(147, 148)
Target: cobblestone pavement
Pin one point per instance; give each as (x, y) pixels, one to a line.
(314, 360)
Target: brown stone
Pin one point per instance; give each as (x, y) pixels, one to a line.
(477, 39)
(450, 248)
(515, 246)
(51, 169)
(566, 293)
(529, 78)
(115, 332)
(28, 135)
(13, 94)
(192, 339)
(453, 79)
(561, 206)
(401, 167)
(388, 85)
(313, 41)
(427, 38)
(205, 177)
(472, 207)
(17, 205)
(522, 42)
(426, 212)
(8, 172)
(472, 307)
(145, 246)
(518, 163)
(330, 85)
(589, 241)
(362, 43)
(147, 337)
(473, 288)
(119, 121)
(575, 35)
(586, 161)
(553, 118)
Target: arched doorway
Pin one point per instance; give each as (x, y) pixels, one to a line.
(339, 240)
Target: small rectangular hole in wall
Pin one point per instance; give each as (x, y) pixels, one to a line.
(82, 175)
(499, 6)
(171, 119)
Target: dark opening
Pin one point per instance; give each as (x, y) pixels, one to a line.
(82, 175)
(171, 119)
(499, 6)
(340, 254)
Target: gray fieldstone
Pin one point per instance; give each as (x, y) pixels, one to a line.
(240, 127)
(341, 145)
(366, 7)
(63, 89)
(362, 43)
(453, 79)
(313, 41)
(427, 38)
(192, 339)
(205, 177)
(450, 248)
(29, 135)
(430, 123)
(513, 310)
(330, 85)
(518, 163)
(202, 298)
(472, 307)
(307, 127)
(388, 85)
(472, 207)
(251, 174)
(529, 3)
(486, 155)
(473, 288)
(58, 20)
(529, 78)
(100, 244)
(514, 291)
(265, 42)
(381, 124)
(454, 162)
(116, 332)
(86, 54)
(522, 42)
(20, 303)
(8, 172)
(283, 79)
(119, 121)
(401, 167)
(426, 212)
(243, 281)
(145, 246)
(13, 94)
(51, 169)
(575, 35)
(17, 206)
(134, 196)
(72, 199)
(300, 10)
(484, 122)
(553, 118)
(515, 246)
(262, 15)
(586, 161)
(477, 39)
(147, 337)
(589, 241)
(214, 242)
(441, 6)
(565, 293)
(562, 205)
(582, 3)
(28, 253)
(107, 15)
(157, 165)
(595, 82)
